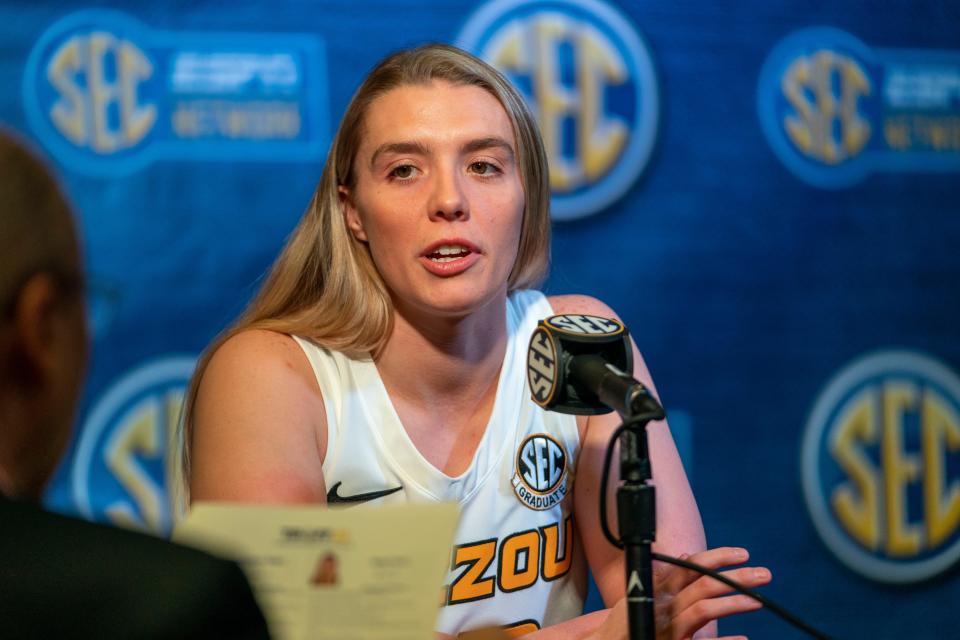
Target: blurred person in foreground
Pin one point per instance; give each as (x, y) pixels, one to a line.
(62, 577)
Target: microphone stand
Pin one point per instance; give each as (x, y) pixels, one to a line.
(636, 501)
(636, 517)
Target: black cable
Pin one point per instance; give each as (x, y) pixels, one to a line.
(766, 602)
(686, 564)
(603, 488)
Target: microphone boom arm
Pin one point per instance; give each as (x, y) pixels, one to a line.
(616, 389)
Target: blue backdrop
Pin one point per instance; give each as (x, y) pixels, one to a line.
(767, 193)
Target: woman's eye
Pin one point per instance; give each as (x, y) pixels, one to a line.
(483, 168)
(403, 172)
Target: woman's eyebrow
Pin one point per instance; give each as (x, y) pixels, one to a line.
(399, 147)
(418, 148)
(492, 142)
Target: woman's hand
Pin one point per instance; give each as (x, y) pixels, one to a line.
(686, 601)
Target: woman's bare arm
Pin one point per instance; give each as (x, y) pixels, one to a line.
(259, 426)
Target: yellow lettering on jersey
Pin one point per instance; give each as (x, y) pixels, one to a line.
(940, 427)
(470, 584)
(521, 559)
(525, 546)
(519, 629)
(856, 503)
(556, 561)
(899, 469)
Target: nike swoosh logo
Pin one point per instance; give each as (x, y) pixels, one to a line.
(334, 497)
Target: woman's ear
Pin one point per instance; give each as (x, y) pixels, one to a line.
(351, 215)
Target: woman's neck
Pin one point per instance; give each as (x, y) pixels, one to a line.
(430, 359)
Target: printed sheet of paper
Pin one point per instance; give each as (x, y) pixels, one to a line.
(344, 574)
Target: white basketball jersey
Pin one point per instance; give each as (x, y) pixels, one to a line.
(517, 560)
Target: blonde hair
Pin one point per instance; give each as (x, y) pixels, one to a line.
(324, 285)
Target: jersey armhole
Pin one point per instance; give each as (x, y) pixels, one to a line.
(326, 373)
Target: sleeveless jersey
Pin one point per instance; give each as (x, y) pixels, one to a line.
(516, 560)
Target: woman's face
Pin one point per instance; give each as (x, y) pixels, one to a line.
(438, 196)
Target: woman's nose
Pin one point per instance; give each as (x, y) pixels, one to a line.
(448, 201)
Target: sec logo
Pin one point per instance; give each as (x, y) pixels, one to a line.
(590, 80)
(124, 467)
(540, 477)
(87, 88)
(542, 366)
(109, 95)
(577, 324)
(813, 99)
(881, 466)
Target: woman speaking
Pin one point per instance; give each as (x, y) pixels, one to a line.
(384, 360)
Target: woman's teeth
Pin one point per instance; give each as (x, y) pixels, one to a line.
(448, 253)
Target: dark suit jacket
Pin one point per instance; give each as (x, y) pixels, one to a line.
(66, 578)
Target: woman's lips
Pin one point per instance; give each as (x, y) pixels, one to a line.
(449, 265)
(449, 256)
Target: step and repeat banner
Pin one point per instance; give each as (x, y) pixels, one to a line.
(767, 193)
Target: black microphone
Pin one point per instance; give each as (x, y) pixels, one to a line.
(578, 363)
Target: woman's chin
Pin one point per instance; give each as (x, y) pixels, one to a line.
(453, 303)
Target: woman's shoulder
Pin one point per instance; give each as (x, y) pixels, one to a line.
(261, 346)
(577, 303)
(264, 359)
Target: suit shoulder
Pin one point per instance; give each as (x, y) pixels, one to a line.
(71, 538)
(104, 582)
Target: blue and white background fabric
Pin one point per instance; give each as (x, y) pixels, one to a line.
(767, 193)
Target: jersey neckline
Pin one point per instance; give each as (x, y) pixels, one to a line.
(407, 460)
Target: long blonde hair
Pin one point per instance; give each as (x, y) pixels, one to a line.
(324, 285)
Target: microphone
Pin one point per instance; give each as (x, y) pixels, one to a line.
(578, 363)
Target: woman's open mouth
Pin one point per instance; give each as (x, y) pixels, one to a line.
(449, 253)
(449, 257)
